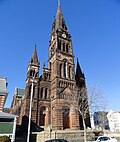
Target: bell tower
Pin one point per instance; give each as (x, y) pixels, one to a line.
(32, 76)
(61, 58)
(33, 65)
(61, 64)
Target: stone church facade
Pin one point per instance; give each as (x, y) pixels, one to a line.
(55, 92)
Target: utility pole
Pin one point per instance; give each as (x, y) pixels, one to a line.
(29, 122)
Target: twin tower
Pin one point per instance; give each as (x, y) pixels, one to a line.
(56, 90)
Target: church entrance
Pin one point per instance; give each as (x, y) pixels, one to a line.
(42, 116)
(66, 118)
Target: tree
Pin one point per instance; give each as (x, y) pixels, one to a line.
(98, 105)
(89, 104)
(83, 107)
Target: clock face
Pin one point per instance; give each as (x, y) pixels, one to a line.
(64, 35)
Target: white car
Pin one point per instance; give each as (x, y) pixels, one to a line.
(106, 139)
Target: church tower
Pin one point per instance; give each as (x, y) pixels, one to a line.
(61, 64)
(32, 76)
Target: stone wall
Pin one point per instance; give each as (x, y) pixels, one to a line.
(70, 135)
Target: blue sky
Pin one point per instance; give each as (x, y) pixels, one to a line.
(95, 29)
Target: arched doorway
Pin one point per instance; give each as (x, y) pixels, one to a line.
(66, 118)
(42, 116)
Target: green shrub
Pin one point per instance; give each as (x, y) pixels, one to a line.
(4, 139)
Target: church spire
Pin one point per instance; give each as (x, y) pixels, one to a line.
(59, 8)
(79, 77)
(34, 59)
(59, 22)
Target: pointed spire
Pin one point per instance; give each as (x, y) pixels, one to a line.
(78, 69)
(79, 77)
(59, 21)
(34, 58)
(59, 8)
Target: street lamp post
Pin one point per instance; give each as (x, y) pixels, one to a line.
(29, 122)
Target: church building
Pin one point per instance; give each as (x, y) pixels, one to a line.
(56, 93)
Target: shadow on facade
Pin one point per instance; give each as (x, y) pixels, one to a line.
(87, 122)
(22, 130)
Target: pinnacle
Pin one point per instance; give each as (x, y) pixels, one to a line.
(34, 58)
(59, 8)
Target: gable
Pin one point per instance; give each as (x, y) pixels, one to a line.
(67, 93)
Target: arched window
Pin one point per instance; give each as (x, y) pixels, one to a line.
(34, 73)
(67, 48)
(31, 73)
(70, 72)
(46, 93)
(60, 70)
(41, 93)
(34, 91)
(59, 45)
(65, 69)
(30, 87)
(63, 46)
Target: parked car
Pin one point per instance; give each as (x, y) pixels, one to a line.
(106, 139)
(56, 140)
